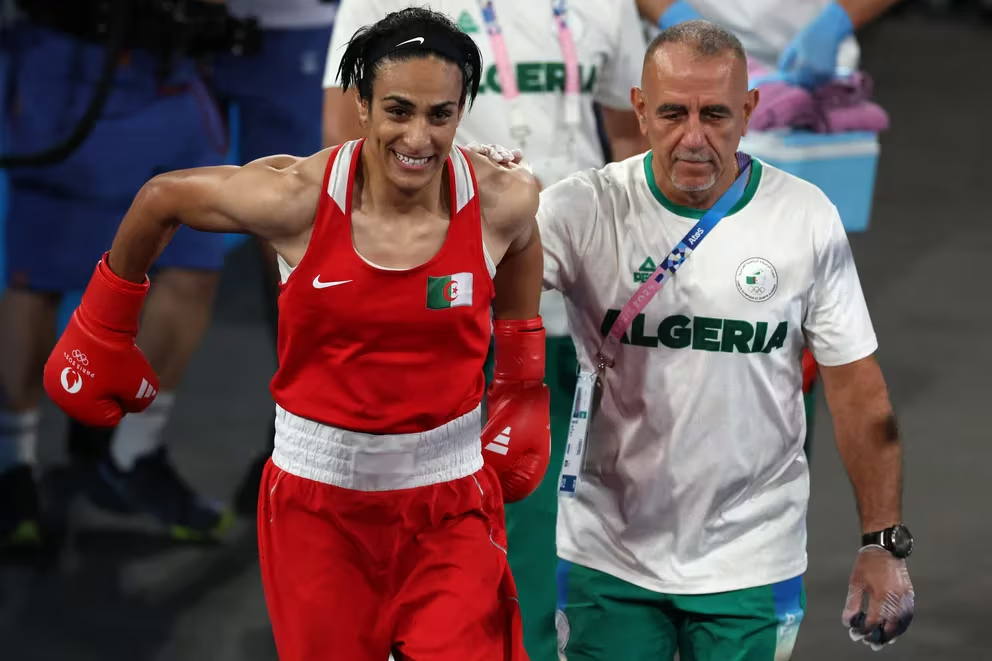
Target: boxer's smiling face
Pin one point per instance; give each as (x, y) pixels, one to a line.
(412, 118)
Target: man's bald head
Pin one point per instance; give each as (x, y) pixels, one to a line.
(705, 39)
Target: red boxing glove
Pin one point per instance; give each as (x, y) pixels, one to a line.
(96, 373)
(809, 371)
(516, 440)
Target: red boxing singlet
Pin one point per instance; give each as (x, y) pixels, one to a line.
(377, 350)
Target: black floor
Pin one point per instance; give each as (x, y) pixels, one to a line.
(122, 595)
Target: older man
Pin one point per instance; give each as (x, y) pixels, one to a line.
(682, 527)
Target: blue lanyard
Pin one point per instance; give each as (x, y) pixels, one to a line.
(702, 229)
(582, 403)
(678, 256)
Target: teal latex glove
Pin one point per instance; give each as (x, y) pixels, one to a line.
(678, 12)
(811, 58)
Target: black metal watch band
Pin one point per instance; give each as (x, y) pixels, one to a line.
(897, 540)
(876, 538)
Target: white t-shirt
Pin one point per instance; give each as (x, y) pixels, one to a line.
(285, 14)
(695, 480)
(766, 27)
(610, 44)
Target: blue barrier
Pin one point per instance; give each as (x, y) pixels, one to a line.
(842, 165)
(71, 299)
(4, 70)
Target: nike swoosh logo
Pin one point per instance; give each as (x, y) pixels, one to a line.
(419, 40)
(317, 284)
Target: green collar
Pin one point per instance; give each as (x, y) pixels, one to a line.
(688, 212)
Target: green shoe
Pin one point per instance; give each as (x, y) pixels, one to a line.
(19, 528)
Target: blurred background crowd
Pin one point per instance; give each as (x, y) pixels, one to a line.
(138, 543)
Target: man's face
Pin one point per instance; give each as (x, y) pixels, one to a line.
(412, 118)
(694, 111)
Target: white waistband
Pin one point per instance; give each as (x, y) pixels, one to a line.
(377, 462)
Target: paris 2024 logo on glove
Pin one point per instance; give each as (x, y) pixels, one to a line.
(72, 380)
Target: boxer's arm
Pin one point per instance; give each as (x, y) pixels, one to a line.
(273, 198)
(519, 402)
(509, 197)
(519, 275)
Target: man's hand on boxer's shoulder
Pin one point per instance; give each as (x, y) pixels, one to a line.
(497, 153)
(501, 156)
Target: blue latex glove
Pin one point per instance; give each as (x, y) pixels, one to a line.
(678, 12)
(811, 58)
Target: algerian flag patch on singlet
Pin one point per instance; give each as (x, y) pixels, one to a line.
(450, 291)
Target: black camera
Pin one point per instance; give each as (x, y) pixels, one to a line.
(218, 31)
(168, 27)
(197, 28)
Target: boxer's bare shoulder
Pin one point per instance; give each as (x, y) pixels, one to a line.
(509, 195)
(289, 189)
(309, 169)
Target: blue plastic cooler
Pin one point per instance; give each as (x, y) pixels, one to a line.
(842, 165)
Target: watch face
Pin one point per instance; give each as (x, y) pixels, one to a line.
(902, 542)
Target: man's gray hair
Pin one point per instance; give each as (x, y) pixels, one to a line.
(705, 38)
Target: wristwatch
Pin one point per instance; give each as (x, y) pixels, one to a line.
(897, 540)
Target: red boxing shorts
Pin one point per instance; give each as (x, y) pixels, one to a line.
(355, 575)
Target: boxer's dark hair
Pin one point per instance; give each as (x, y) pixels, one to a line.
(404, 35)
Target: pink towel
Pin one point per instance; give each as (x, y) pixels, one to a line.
(841, 105)
(846, 105)
(844, 92)
(783, 106)
(865, 116)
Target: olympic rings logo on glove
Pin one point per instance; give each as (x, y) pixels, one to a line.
(80, 357)
(756, 290)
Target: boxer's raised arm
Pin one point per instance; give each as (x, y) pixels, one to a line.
(274, 198)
